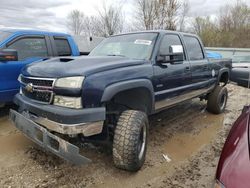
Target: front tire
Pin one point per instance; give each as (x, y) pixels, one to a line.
(217, 100)
(130, 140)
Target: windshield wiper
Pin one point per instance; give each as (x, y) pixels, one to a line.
(116, 55)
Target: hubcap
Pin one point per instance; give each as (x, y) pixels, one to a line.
(142, 141)
(223, 101)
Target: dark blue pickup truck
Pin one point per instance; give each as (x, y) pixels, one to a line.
(106, 97)
(21, 47)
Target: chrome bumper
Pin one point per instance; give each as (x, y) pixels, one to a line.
(87, 129)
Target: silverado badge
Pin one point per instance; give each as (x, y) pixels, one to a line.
(29, 87)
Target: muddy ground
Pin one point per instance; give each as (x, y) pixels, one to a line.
(187, 134)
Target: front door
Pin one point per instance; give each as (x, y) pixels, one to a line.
(171, 80)
(29, 49)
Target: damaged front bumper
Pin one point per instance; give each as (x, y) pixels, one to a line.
(47, 140)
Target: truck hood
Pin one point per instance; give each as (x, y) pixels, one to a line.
(77, 66)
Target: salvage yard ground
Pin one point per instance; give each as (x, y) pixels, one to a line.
(184, 148)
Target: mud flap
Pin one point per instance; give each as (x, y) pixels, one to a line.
(47, 140)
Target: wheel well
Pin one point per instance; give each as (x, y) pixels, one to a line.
(136, 99)
(224, 77)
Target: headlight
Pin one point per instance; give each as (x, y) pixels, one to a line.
(70, 82)
(70, 102)
(218, 184)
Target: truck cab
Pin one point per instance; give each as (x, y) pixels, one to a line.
(21, 47)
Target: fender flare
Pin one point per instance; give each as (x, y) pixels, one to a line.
(222, 71)
(111, 90)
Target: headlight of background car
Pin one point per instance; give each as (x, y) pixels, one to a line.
(70, 102)
(70, 82)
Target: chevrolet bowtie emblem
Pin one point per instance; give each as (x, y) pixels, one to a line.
(29, 87)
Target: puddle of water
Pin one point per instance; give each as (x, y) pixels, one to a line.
(11, 139)
(182, 145)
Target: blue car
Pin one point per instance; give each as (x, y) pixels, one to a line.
(21, 47)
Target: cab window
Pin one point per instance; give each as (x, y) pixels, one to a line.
(194, 48)
(29, 47)
(62, 46)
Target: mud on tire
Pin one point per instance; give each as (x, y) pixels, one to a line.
(217, 100)
(130, 140)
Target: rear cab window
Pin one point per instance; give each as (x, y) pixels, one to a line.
(62, 46)
(194, 48)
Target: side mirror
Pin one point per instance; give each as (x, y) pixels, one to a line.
(175, 55)
(8, 55)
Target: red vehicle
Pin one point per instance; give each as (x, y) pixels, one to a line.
(233, 170)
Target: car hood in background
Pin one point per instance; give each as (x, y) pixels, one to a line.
(77, 66)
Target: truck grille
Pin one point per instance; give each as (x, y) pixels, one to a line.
(39, 89)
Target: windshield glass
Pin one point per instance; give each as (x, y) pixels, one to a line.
(4, 35)
(241, 59)
(134, 46)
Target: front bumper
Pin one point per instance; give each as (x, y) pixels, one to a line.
(62, 120)
(47, 140)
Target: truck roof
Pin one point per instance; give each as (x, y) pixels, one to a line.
(156, 31)
(27, 31)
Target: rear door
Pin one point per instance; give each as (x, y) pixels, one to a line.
(171, 80)
(30, 48)
(200, 67)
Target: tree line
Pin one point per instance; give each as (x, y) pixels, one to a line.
(229, 28)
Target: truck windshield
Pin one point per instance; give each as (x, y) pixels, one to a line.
(4, 35)
(134, 46)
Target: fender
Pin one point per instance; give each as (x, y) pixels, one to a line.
(113, 89)
(221, 71)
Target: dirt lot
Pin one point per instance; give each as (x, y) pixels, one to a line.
(190, 136)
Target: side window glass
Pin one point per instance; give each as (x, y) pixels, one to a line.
(194, 49)
(30, 47)
(167, 41)
(62, 46)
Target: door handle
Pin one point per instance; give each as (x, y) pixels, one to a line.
(187, 69)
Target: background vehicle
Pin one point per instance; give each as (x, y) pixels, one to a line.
(234, 166)
(240, 72)
(213, 55)
(106, 97)
(21, 47)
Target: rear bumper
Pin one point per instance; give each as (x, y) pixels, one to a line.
(47, 140)
(62, 120)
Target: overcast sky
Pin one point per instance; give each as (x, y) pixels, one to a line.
(51, 14)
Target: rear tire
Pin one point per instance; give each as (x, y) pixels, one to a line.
(130, 140)
(217, 100)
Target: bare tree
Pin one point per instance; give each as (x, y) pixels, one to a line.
(145, 13)
(185, 7)
(157, 14)
(111, 19)
(75, 22)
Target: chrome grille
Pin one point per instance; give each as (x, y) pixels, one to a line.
(39, 89)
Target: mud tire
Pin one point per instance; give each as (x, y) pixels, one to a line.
(130, 140)
(217, 100)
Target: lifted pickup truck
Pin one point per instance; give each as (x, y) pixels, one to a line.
(21, 47)
(108, 95)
